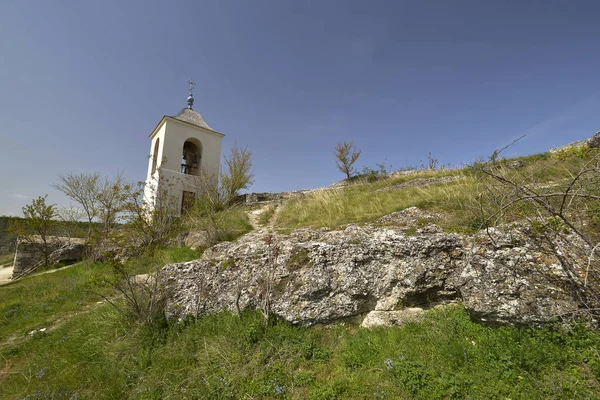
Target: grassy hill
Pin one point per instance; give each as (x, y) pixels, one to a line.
(58, 342)
(454, 199)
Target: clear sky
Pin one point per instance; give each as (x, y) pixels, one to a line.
(83, 83)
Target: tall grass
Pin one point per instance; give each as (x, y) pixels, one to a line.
(223, 225)
(364, 203)
(456, 202)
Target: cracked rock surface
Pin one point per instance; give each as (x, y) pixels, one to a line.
(375, 274)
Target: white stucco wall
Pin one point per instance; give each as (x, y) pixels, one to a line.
(172, 134)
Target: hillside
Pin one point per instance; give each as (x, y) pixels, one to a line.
(53, 322)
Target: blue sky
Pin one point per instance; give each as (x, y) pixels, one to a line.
(83, 83)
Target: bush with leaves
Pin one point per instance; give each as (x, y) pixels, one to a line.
(215, 212)
(37, 226)
(237, 174)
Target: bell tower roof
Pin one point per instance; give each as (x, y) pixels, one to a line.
(188, 114)
(193, 117)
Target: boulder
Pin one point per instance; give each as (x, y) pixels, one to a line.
(195, 239)
(322, 276)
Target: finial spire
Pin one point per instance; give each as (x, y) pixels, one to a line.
(190, 99)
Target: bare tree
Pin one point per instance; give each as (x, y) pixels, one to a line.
(83, 189)
(562, 216)
(146, 226)
(268, 277)
(346, 155)
(111, 197)
(145, 296)
(70, 216)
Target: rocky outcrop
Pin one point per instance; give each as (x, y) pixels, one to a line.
(30, 253)
(594, 141)
(321, 276)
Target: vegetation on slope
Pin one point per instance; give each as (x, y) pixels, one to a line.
(455, 202)
(40, 301)
(100, 354)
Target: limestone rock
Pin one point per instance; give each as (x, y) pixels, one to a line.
(594, 141)
(29, 254)
(515, 164)
(392, 318)
(195, 239)
(320, 276)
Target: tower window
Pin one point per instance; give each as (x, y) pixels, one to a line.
(155, 156)
(190, 161)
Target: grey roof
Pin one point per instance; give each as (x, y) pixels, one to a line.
(192, 117)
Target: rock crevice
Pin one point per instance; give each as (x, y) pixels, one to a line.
(378, 273)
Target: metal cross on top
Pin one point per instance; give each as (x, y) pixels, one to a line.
(192, 85)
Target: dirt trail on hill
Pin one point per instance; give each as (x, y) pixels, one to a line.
(254, 217)
(6, 273)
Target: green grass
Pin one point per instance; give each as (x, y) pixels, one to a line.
(455, 202)
(7, 258)
(45, 300)
(39, 301)
(100, 355)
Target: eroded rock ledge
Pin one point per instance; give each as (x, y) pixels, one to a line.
(376, 274)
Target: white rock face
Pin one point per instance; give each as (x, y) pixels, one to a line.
(319, 276)
(389, 318)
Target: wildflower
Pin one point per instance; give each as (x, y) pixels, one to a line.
(389, 363)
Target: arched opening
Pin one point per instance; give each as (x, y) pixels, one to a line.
(155, 156)
(192, 154)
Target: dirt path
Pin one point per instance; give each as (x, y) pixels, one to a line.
(5, 274)
(254, 217)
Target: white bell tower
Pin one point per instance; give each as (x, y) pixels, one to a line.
(183, 148)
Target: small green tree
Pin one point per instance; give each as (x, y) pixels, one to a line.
(346, 155)
(237, 174)
(37, 225)
(217, 194)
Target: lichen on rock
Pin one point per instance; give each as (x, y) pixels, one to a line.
(323, 276)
